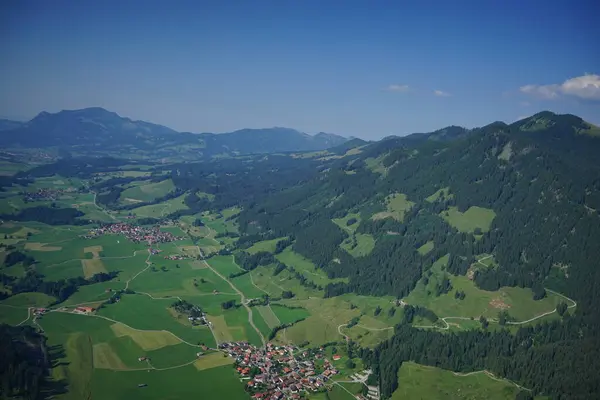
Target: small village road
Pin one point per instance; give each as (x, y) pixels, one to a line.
(243, 298)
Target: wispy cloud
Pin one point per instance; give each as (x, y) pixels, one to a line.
(441, 93)
(398, 88)
(585, 87)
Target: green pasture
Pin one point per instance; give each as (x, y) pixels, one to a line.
(173, 384)
(265, 245)
(148, 191)
(443, 193)
(359, 244)
(518, 302)
(343, 222)
(422, 382)
(472, 219)
(306, 267)
(161, 209)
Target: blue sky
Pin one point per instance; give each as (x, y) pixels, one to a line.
(362, 68)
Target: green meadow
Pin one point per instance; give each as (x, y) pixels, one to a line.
(472, 219)
(422, 382)
(518, 302)
(265, 245)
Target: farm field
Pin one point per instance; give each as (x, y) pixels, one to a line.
(142, 312)
(472, 219)
(422, 382)
(181, 383)
(443, 193)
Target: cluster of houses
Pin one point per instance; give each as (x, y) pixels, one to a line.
(136, 234)
(277, 372)
(46, 194)
(175, 257)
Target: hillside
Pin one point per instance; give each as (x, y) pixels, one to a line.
(96, 131)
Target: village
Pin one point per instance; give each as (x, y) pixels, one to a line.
(281, 371)
(46, 194)
(136, 234)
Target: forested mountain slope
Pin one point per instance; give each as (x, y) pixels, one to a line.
(536, 184)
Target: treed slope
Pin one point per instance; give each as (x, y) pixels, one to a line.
(541, 178)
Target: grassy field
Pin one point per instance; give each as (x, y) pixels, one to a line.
(28, 300)
(518, 302)
(287, 315)
(147, 191)
(274, 285)
(161, 209)
(426, 248)
(442, 193)
(173, 384)
(239, 327)
(305, 267)
(212, 360)
(224, 264)
(422, 382)
(397, 204)
(360, 244)
(142, 312)
(268, 315)
(265, 245)
(473, 218)
(343, 222)
(244, 285)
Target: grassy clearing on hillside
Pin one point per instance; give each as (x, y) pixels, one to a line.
(360, 244)
(274, 285)
(518, 302)
(473, 218)
(422, 382)
(175, 384)
(162, 209)
(11, 315)
(306, 267)
(343, 222)
(28, 300)
(443, 193)
(376, 164)
(287, 315)
(426, 248)
(397, 204)
(220, 328)
(265, 245)
(148, 191)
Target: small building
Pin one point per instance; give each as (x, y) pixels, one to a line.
(85, 309)
(336, 357)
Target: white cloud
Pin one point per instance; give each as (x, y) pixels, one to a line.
(441, 93)
(398, 88)
(585, 87)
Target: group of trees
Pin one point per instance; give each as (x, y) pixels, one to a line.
(62, 289)
(48, 215)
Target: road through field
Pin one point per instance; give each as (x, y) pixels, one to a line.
(243, 298)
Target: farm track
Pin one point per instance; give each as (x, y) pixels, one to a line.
(243, 298)
(491, 376)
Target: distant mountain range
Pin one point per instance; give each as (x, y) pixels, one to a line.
(98, 131)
